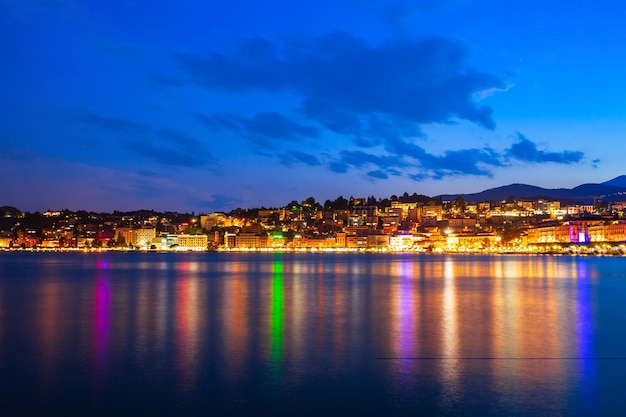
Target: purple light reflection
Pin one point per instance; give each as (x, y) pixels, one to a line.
(406, 305)
(101, 320)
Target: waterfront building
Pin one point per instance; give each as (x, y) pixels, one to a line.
(471, 242)
(354, 241)
(27, 239)
(229, 240)
(138, 238)
(378, 241)
(192, 242)
(575, 231)
(50, 243)
(612, 232)
(404, 242)
(341, 239)
(250, 240)
(275, 241)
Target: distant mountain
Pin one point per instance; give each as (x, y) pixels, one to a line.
(583, 194)
(617, 181)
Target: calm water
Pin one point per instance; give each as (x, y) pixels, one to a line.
(311, 334)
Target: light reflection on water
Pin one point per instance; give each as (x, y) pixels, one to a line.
(400, 333)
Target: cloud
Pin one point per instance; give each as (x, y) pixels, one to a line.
(290, 158)
(376, 95)
(403, 153)
(182, 141)
(472, 161)
(526, 150)
(378, 174)
(241, 73)
(164, 155)
(275, 125)
(172, 147)
(264, 125)
(407, 157)
(219, 121)
(420, 81)
(179, 149)
(361, 159)
(113, 124)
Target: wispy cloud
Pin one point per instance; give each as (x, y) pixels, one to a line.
(422, 81)
(165, 146)
(417, 163)
(163, 155)
(377, 96)
(378, 174)
(114, 124)
(527, 151)
(292, 157)
(183, 141)
(262, 127)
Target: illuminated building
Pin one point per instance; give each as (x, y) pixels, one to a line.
(250, 240)
(403, 242)
(341, 240)
(462, 223)
(575, 231)
(192, 242)
(356, 241)
(212, 220)
(432, 211)
(229, 240)
(367, 215)
(471, 242)
(139, 238)
(378, 241)
(404, 208)
(612, 232)
(50, 243)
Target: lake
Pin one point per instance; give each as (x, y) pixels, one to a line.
(194, 334)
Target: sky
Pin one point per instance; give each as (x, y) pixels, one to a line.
(211, 105)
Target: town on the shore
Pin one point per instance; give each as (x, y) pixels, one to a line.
(407, 223)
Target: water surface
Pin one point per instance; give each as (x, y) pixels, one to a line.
(311, 334)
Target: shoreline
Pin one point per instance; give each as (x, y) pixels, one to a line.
(529, 252)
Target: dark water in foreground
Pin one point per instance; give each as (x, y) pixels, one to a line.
(311, 334)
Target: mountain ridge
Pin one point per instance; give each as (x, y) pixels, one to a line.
(609, 191)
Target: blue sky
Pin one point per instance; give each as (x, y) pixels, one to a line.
(205, 106)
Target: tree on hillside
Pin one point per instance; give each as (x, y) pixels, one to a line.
(340, 203)
(460, 203)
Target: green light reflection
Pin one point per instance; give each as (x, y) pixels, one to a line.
(277, 314)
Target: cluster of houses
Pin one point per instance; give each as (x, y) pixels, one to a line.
(408, 223)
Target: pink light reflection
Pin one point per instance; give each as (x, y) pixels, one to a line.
(407, 311)
(101, 321)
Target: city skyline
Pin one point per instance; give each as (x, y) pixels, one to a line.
(131, 105)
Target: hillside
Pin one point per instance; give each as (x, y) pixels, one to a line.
(584, 194)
